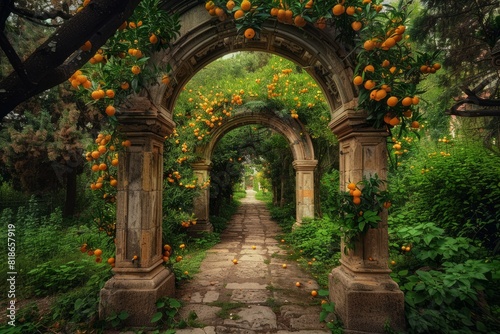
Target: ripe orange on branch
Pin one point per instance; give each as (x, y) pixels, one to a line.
(249, 33)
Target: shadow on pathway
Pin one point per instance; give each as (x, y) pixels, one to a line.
(256, 295)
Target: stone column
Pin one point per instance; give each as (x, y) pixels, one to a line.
(140, 278)
(365, 296)
(304, 188)
(201, 203)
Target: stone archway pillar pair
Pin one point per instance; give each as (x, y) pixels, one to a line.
(140, 278)
(365, 296)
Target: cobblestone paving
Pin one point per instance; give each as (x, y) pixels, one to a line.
(256, 295)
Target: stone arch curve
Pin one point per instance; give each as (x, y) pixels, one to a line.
(204, 39)
(302, 150)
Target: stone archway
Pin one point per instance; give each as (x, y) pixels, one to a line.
(300, 145)
(366, 297)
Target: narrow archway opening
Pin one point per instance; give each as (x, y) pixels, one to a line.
(263, 90)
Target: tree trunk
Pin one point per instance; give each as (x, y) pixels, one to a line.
(71, 191)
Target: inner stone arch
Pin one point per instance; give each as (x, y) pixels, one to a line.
(302, 150)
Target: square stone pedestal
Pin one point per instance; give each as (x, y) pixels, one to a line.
(136, 293)
(366, 303)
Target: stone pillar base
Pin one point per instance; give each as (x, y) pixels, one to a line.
(202, 226)
(136, 294)
(366, 303)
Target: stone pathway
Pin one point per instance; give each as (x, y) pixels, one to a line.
(256, 295)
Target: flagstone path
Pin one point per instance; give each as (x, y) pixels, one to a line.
(256, 295)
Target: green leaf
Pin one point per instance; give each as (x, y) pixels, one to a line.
(174, 303)
(156, 317)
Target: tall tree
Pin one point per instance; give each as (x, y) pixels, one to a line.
(60, 55)
(467, 33)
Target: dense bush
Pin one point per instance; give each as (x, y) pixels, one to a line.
(444, 236)
(450, 284)
(457, 187)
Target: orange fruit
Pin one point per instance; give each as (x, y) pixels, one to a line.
(350, 10)
(356, 25)
(314, 293)
(101, 149)
(392, 101)
(394, 121)
(153, 39)
(356, 193)
(111, 260)
(136, 69)
(321, 23)
(386, 63)
(95, 168)
(246, 5)
(209, 5)
(165, 79)
(219, 12)
(281, 15)
(415, 124)
(126, 143)
(249, 33)
(98, 252)
(239, 14)
(415, 100)
(390, 42)
(358, 80)
(114, 162)
(338, 9)
(95, 154)
(235, 261)
(96, 95)
(299, 21)
(103, 166)
(110, 111)
(230, 5)
(297, 284)
(369, 84)
(436, 66)
(356, 200)
(86, 47)
(387, 204)
(407, 101)
(113, 183)
(407, 113)
(351, 186)
(110, 93)
(369, 68)
(369, 45)
(274, 11)
(309, 4)
(283, 265)
(381, 94)
(125, 85)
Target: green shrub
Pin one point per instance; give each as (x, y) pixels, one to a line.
(316, 238)
(50, 277)
(450, 285)
(458, 189)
